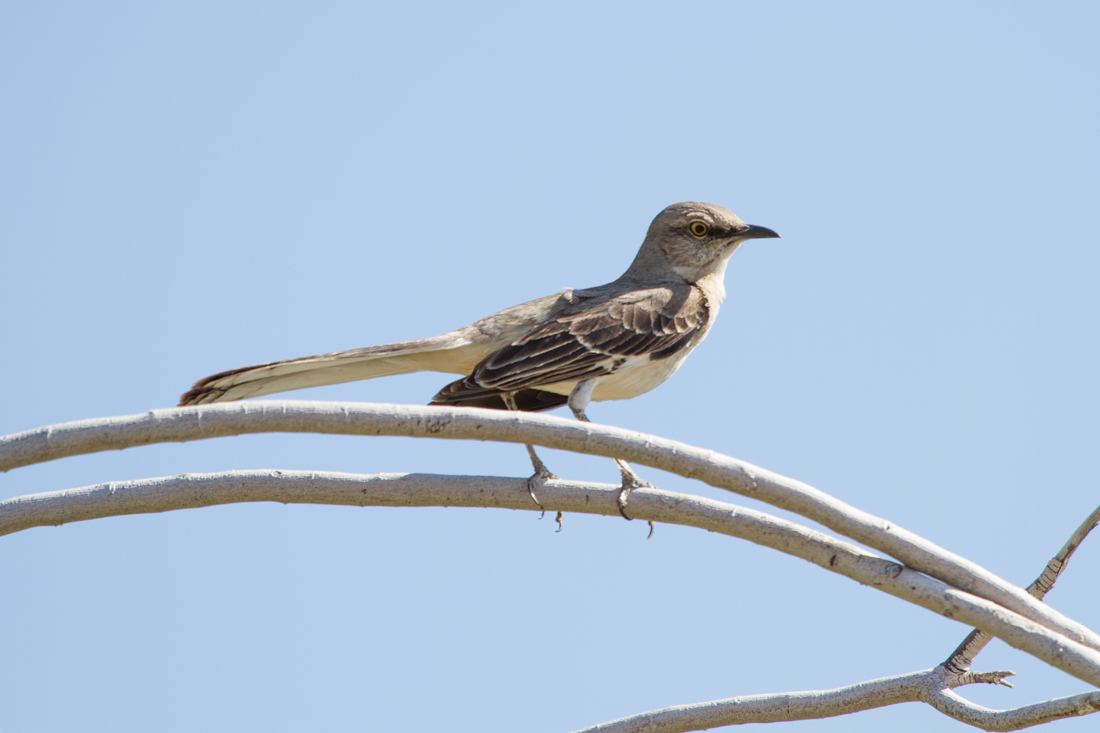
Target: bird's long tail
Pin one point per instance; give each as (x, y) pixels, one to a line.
(456, 352)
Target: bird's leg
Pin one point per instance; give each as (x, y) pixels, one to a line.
(578, 400)
(541, 471)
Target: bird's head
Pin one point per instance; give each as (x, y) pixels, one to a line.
(690, 242)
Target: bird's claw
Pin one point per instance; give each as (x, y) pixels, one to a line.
(541, 474)
(631, 481)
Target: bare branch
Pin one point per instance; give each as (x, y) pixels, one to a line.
(198, 490)
(930, 685)
(951, 704)
(208, 421)
(963, 656)
(771, 708)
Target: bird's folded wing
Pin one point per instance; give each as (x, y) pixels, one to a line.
(595, 340)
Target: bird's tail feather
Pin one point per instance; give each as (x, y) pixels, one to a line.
(456, 352)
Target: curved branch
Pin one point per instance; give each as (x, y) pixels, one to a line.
(208, 421)
(198, 490)
(951, 704)
(924, 686)
(771, 708)
(194, 490)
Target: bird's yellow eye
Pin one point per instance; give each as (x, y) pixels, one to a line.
(698, 228)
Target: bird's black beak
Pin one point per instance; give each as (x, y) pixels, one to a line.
(754, 232)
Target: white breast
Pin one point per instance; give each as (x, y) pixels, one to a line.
(633, 380)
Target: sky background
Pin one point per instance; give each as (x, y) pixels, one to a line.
(194, 187)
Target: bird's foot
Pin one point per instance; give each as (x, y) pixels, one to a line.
(540, 474)
(631, 480)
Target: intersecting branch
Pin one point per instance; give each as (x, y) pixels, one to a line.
(930, 576)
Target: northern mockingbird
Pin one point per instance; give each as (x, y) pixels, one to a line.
(612, 342)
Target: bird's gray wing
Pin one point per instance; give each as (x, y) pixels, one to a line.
(591, 340)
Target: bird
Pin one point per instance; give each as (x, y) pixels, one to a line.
(611, 342)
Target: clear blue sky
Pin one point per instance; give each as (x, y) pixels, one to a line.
(194, 187)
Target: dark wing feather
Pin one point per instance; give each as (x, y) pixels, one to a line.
(460, 394)
(589, 342)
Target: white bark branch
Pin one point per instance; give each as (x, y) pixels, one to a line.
(771, 708)
(199, 490)
(208, 421)
(925, 686)
(931, 686)
(951, 704)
